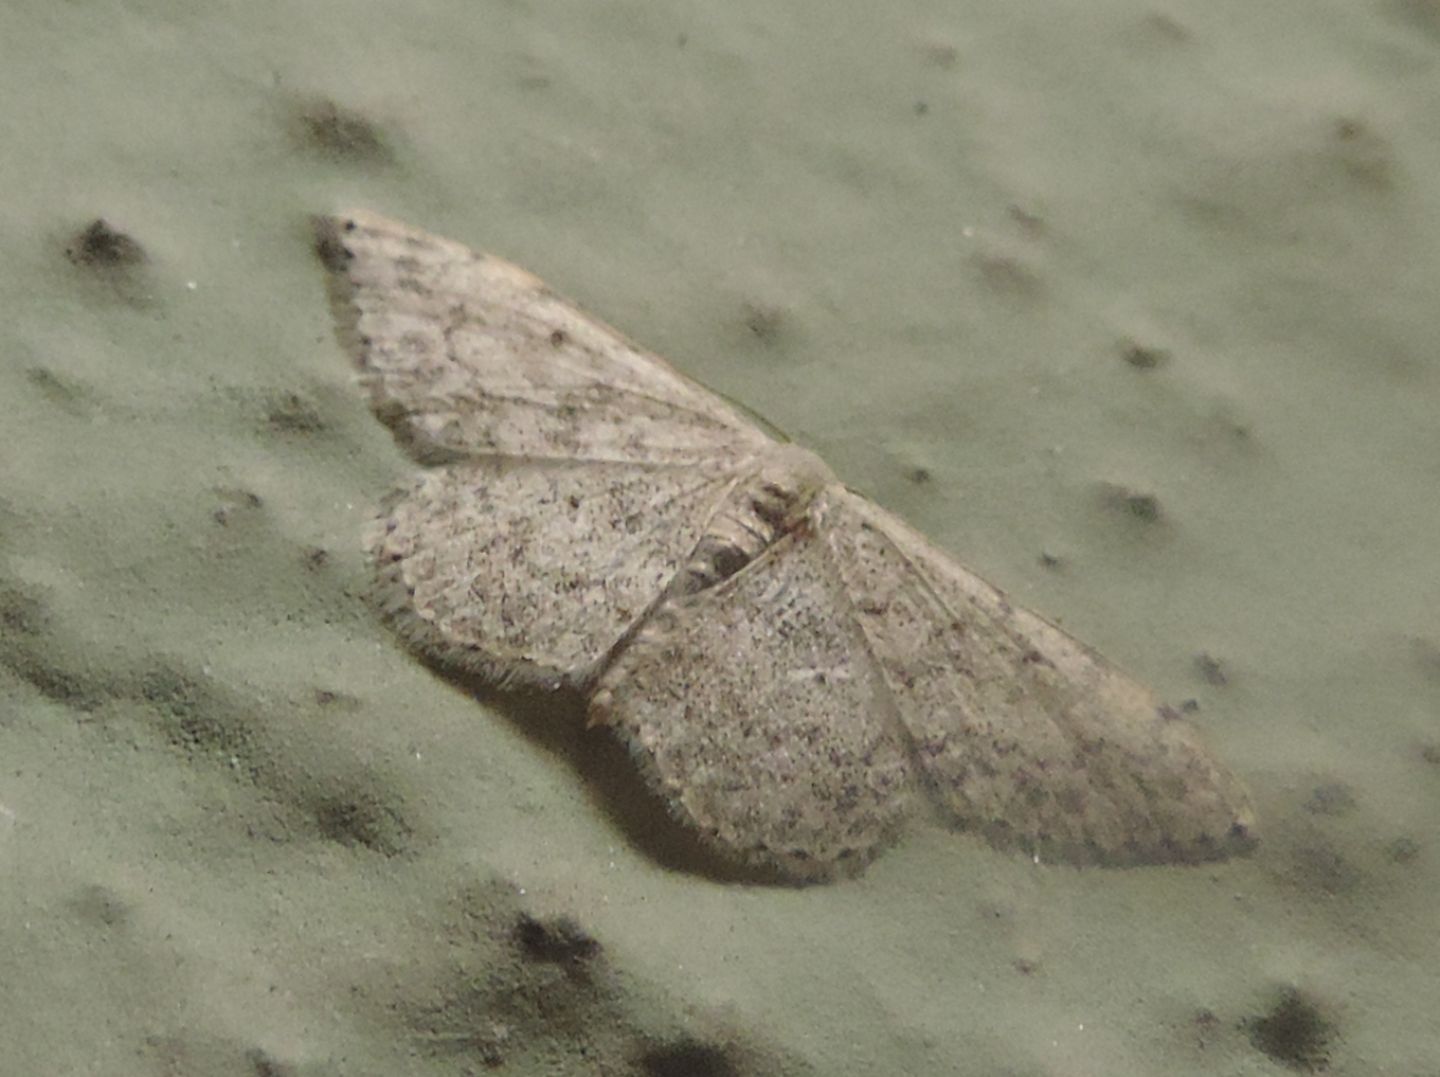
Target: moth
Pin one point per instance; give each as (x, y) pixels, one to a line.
(796, 672)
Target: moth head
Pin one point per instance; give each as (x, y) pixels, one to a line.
(788, 481)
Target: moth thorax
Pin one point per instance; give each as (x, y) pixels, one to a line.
(762, 509)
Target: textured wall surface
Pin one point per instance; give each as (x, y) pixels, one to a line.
(1131, 308)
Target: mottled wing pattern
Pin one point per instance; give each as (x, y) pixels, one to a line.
(755, 712)
(1019, 731)
(832, 667)
(531, 573)
(581, 469)
(468, 355)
